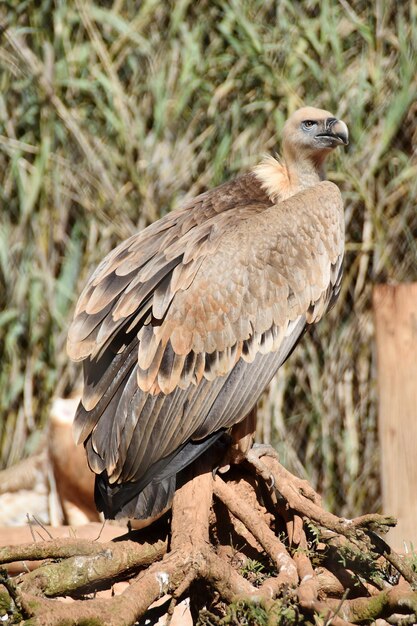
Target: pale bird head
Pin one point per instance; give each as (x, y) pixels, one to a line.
(313, 133)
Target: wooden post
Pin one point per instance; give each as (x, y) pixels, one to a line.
(395, 308)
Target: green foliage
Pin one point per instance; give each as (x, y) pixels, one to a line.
(5, 602)
(411, 556)
(367, 563)
(313, 534)
(282, 612)
(10, 610)
(254, 571)
(240, 613)
(112, 113)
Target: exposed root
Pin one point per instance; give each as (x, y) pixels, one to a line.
(266, 543)
(275, 549)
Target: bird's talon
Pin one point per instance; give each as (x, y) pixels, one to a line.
(263, 449)
(220, 469)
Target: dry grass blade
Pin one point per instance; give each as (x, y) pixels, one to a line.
(111, 114)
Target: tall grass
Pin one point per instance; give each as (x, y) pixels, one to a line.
(111, 113)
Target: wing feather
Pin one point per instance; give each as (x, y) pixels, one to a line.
(183, 326)
(298, 280)
(146, 428)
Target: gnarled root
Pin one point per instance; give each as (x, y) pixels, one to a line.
(260, 546)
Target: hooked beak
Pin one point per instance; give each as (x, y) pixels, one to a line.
(336, 133)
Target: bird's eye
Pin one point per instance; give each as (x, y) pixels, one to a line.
(309, 124)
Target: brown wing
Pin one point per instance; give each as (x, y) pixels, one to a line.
(181, 335)
(269, 269)
(133, 278)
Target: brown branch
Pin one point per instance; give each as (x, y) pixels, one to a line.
(191, 507)
(122, 610)
(190, 532)
(65, 548)
(301, 497)
(85, 571)
(262, 533)
(332, 612)
(309, 584)
(400, 564)
(301, 500)
(89, 565)
(230, 585)
(329, 583)
(368, 609)
(294, 523)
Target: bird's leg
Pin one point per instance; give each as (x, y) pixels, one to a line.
(284, 481)
(242, 435)
(274, 474)
(242, 448)
(259, 450)
(253, 458)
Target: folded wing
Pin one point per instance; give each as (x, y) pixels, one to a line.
(181, 328)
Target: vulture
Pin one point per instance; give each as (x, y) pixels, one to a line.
(183, 325)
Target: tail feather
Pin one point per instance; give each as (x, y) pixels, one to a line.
(152, 495)
(117, 501)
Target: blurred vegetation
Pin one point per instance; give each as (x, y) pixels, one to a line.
(111, 113)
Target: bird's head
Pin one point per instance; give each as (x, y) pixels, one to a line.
(313, 133)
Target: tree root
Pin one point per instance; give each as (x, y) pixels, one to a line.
(257, 537)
